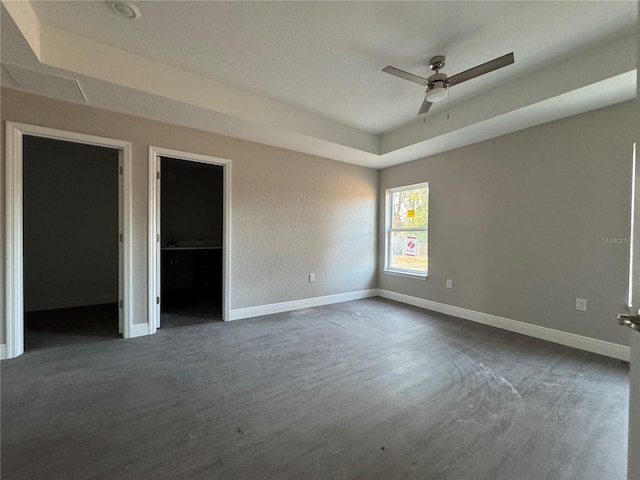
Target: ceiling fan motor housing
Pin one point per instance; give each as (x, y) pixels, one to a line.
(438, 79)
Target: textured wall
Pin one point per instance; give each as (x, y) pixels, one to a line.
(296, 221)
(521, 223)
(292, 213)
(70, 224)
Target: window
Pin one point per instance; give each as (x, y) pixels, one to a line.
(407, 221)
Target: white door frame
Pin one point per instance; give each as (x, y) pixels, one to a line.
(155, 154)
(633, 463)
(14, 273)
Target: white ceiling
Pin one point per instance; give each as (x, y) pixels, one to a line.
(307, 75)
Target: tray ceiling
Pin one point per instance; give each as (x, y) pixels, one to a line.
(307, 75)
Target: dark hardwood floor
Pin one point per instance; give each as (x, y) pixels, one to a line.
(369, 389)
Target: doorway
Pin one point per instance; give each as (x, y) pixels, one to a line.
(189, 205)
(14, 306)
(71, 247)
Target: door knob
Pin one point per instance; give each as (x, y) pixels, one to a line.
(631, 321)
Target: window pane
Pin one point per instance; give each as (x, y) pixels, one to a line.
(409, 250)
(410, 208)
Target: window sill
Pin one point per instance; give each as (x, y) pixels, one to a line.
(399, 273)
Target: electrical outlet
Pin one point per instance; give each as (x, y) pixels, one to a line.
(581, 304)
(449, 283)
(312, 277)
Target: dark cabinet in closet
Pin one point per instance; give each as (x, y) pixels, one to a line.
(191, 273)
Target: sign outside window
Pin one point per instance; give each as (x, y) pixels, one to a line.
(410, 246)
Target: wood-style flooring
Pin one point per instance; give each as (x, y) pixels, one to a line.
(369, 389)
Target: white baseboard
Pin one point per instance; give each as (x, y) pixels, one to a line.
(69, 302)
(3, 351)
(249, 312)
(139, 330)
(588, 344)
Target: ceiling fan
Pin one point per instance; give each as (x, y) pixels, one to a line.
(438, 83)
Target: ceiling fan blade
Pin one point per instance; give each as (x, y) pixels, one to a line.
(481, 69)
(406, 75)
(426, 105)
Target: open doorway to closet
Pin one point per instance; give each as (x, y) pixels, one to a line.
(57, 235)
(188, 238)
(191, 241)
(71, 247)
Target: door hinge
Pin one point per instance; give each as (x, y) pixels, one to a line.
(121, 237)
(158, 175)
(121, 303)
(157, 237)
(121, 170)
(157, 300)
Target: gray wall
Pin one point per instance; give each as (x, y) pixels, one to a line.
(192, 201)
(292, 213)
(70, 224)
(520, 223)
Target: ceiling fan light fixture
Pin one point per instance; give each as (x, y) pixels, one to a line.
(125, 9)
(436, 93)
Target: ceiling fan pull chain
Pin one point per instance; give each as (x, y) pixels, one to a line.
(447, 102)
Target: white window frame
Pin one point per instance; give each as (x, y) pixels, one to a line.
(389, 231)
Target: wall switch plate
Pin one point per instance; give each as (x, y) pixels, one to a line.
(581, 304)
(449, 283)
(312, 277)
